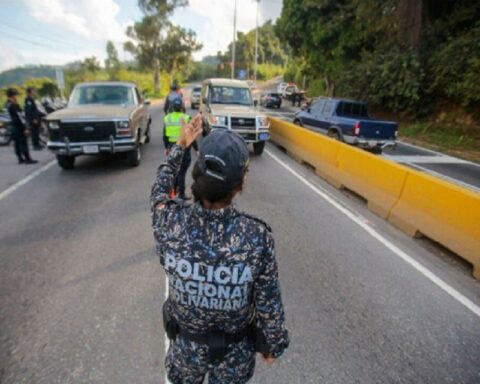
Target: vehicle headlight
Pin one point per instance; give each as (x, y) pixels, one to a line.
(123, 124)
(263, 121)
(54, 125)
(218, 120)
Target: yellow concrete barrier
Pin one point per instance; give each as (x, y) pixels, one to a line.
(378, 180)
(308, 146)
(443, 212)
(412, 201)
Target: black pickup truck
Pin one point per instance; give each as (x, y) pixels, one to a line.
(101, 117)
(348, 121)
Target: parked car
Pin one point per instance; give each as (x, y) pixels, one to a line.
(270, 100)
(281, 87)
(101, 117)
(348, 121)
(228, 104)
(195, 97)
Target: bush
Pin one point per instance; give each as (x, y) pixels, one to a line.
(268, 71)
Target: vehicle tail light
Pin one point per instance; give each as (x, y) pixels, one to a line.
(357, 128)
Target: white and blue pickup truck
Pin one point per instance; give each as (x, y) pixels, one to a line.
(348, 121)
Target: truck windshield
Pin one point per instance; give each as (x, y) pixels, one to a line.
(102, 94)
(230, 95)
(349, 109)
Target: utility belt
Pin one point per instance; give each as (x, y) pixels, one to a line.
(217, 341)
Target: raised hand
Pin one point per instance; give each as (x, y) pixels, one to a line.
(191, 131)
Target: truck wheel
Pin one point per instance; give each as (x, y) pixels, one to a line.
(66, 162)
(133, 157)
(334, 135)
(258, 147)
(298, 122)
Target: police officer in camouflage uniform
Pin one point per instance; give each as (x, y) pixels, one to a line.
(224, 300)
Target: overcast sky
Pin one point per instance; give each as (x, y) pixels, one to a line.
(61, 31)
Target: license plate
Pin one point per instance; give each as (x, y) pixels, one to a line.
(90, 149)
(263, 136)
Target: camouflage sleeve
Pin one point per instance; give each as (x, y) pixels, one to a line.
(270, 316)
(164, 183)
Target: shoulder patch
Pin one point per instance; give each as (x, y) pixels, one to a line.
(258, 220)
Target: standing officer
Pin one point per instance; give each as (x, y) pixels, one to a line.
(33, 117)
(175, 93)
(19, 130)
(171, 133)
(224, 302)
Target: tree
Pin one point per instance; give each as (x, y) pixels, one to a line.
(112, 62)
(90, 64)
(177, 48)
(147, 34)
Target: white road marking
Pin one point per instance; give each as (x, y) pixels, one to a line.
(388, 244)
(25, 180)
(418, 159)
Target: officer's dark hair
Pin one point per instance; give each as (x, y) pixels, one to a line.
(30, 90)
(11, 92)
(207, 188)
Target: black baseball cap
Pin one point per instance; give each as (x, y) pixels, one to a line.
(12, 92)
(223, 156)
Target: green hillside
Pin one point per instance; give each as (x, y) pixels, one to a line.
(19, 75)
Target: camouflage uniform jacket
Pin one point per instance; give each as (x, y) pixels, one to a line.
(220, 264)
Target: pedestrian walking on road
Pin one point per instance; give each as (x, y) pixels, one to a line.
(33, 117)
(224, 302)
(19, 129)
(171, 133)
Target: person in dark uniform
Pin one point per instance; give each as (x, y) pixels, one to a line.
(175, 93)
(33, 117)
(171, 133)
(224, 301)
(19, 129)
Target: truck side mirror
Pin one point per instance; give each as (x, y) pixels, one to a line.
(204, 100)
(255, 103)
(146, 102)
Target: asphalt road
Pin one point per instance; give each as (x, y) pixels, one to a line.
(440, 165)
(81, 288)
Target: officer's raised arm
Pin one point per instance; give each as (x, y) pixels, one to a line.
(167, 172)
(270, 316)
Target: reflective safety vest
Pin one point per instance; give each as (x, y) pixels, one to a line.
(173, 125)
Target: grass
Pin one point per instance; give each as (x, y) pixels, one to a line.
(463, 142)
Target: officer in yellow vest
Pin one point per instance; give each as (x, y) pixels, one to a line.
(171, 133)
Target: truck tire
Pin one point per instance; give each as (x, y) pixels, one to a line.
(298, 122)
(333, 133)
(258, 147)
(133, 157)
(66, 162)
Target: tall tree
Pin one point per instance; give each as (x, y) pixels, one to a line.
(145, 45)
(147, 34)
(112, 62)
(177, 48)
(90, 64)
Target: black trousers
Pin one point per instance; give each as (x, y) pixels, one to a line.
(35, 131)
(21, 146)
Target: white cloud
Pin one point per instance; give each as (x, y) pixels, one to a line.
(91, 19)
(216, 30)
(8, 58)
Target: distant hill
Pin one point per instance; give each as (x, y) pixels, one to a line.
(20, 74)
